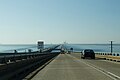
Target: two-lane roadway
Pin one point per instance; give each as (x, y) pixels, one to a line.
(71, 67)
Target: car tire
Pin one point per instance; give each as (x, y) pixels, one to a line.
(83, 57)
(92, 57)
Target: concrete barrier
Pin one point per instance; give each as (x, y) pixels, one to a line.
(18, 69)
(108, 56)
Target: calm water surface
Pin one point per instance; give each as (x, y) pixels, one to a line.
(95, 47)
(20, 47)
(76, 47)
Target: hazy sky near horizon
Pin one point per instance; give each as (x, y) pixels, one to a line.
(56, 21)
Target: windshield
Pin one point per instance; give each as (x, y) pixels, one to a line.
(59, 39)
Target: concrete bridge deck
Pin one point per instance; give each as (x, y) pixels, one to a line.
(71, 67)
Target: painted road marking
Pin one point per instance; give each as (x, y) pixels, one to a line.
(107, 73)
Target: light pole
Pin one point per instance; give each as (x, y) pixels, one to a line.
(111, 46)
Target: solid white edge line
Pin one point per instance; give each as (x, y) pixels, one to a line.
(102, 71)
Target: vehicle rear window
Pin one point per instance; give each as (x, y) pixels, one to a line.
(88, 50)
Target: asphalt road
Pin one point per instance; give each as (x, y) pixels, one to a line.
(71, 67)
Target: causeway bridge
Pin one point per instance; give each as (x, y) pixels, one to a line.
(50, 64)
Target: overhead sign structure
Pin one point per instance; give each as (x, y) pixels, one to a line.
(40, 44)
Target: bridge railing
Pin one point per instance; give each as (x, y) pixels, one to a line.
(109, 56)
(17, 66)
(14, 57)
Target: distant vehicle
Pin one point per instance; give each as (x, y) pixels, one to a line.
(69, 52)
(88, 53)
(62, 51)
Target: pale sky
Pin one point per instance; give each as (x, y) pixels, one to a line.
(56, 21)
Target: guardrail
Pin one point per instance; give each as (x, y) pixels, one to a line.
(17, 66)
(14, 57)
(114, 54)
(109, 56)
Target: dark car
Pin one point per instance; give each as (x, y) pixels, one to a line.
(88, 53)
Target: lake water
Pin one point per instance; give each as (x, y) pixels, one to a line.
(20, 48)
(76, 47)
(96, 47)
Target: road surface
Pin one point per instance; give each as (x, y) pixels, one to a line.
(72, 67)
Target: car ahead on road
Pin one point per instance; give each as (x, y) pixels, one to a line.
(88, 53)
